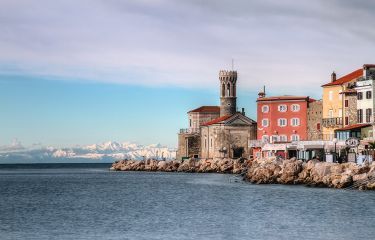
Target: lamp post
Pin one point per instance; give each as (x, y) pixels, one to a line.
(335, 142)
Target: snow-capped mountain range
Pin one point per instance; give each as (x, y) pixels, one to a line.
(104, 152)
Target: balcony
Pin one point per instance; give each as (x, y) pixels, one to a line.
(332, 122)
(189, 130)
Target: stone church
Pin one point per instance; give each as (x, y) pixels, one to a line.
(218, 131)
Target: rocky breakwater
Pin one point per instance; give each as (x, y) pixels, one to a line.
(311, 173)
(234, 166)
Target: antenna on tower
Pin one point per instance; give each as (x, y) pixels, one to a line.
(264, 89)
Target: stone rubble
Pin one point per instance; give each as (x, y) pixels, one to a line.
(268, 171)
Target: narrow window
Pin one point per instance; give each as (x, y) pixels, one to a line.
(318, 126)
(346, 120)
(359, 115)
(346, 103)
(368, 95)
(360, 95)
(368, 114)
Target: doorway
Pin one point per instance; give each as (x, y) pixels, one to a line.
(237, 152)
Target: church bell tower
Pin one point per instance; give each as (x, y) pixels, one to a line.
(228, 98)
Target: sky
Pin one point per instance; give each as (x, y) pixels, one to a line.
(88, 71)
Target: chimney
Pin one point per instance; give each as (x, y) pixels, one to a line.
(333, 77)
(243, 111)
(262, 94)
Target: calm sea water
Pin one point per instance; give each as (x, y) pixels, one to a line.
(89, 202)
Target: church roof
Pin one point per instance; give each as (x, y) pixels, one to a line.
(217, 120)
(228, 119)
(206, 109)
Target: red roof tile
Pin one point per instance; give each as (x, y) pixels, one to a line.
(347, 78)
(207, 109)
(285, 97)
(355, 126)
(217, 120)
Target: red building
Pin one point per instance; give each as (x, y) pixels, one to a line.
(282, 118)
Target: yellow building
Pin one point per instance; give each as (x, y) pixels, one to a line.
(334, 102)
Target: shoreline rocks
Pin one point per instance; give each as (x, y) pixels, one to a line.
(267, 171)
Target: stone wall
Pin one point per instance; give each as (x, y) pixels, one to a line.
(216, 138)
(351, 110)
(188, 145)
(314, 120)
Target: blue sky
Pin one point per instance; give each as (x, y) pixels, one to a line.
(44, 111)
(87, 71)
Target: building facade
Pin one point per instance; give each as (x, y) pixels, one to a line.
(201, 115)
(350, 107)
(218, 132)
(365, 99)
(282, 118)
(189, 138)
(314, 120)
(333, 102)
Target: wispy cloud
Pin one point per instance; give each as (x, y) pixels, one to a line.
(185, 43)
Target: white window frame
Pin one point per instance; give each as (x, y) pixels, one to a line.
(298, 122)
(284, 120)
(281, 106)
(330, 95)
(283, 138)
(297, 106)
(274, 138)
(265, 109)
(340, 95)
(264, 137)
(330, 113)
(294, 137)
(265, 120)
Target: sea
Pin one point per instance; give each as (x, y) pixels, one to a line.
(87, 201)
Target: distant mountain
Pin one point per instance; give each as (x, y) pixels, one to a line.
(104, 152)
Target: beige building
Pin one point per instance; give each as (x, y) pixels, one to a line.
(189, 139)
(334, 100)
(228, 136)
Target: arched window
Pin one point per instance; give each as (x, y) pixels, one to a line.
(228, 90)
(223, 90)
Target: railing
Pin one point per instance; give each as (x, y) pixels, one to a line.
(370, 77)
(189, 130)
(332, 122)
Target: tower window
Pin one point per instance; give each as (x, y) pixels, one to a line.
(223, 90)
(228, 90)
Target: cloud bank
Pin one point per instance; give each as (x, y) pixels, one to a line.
(185, 43)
